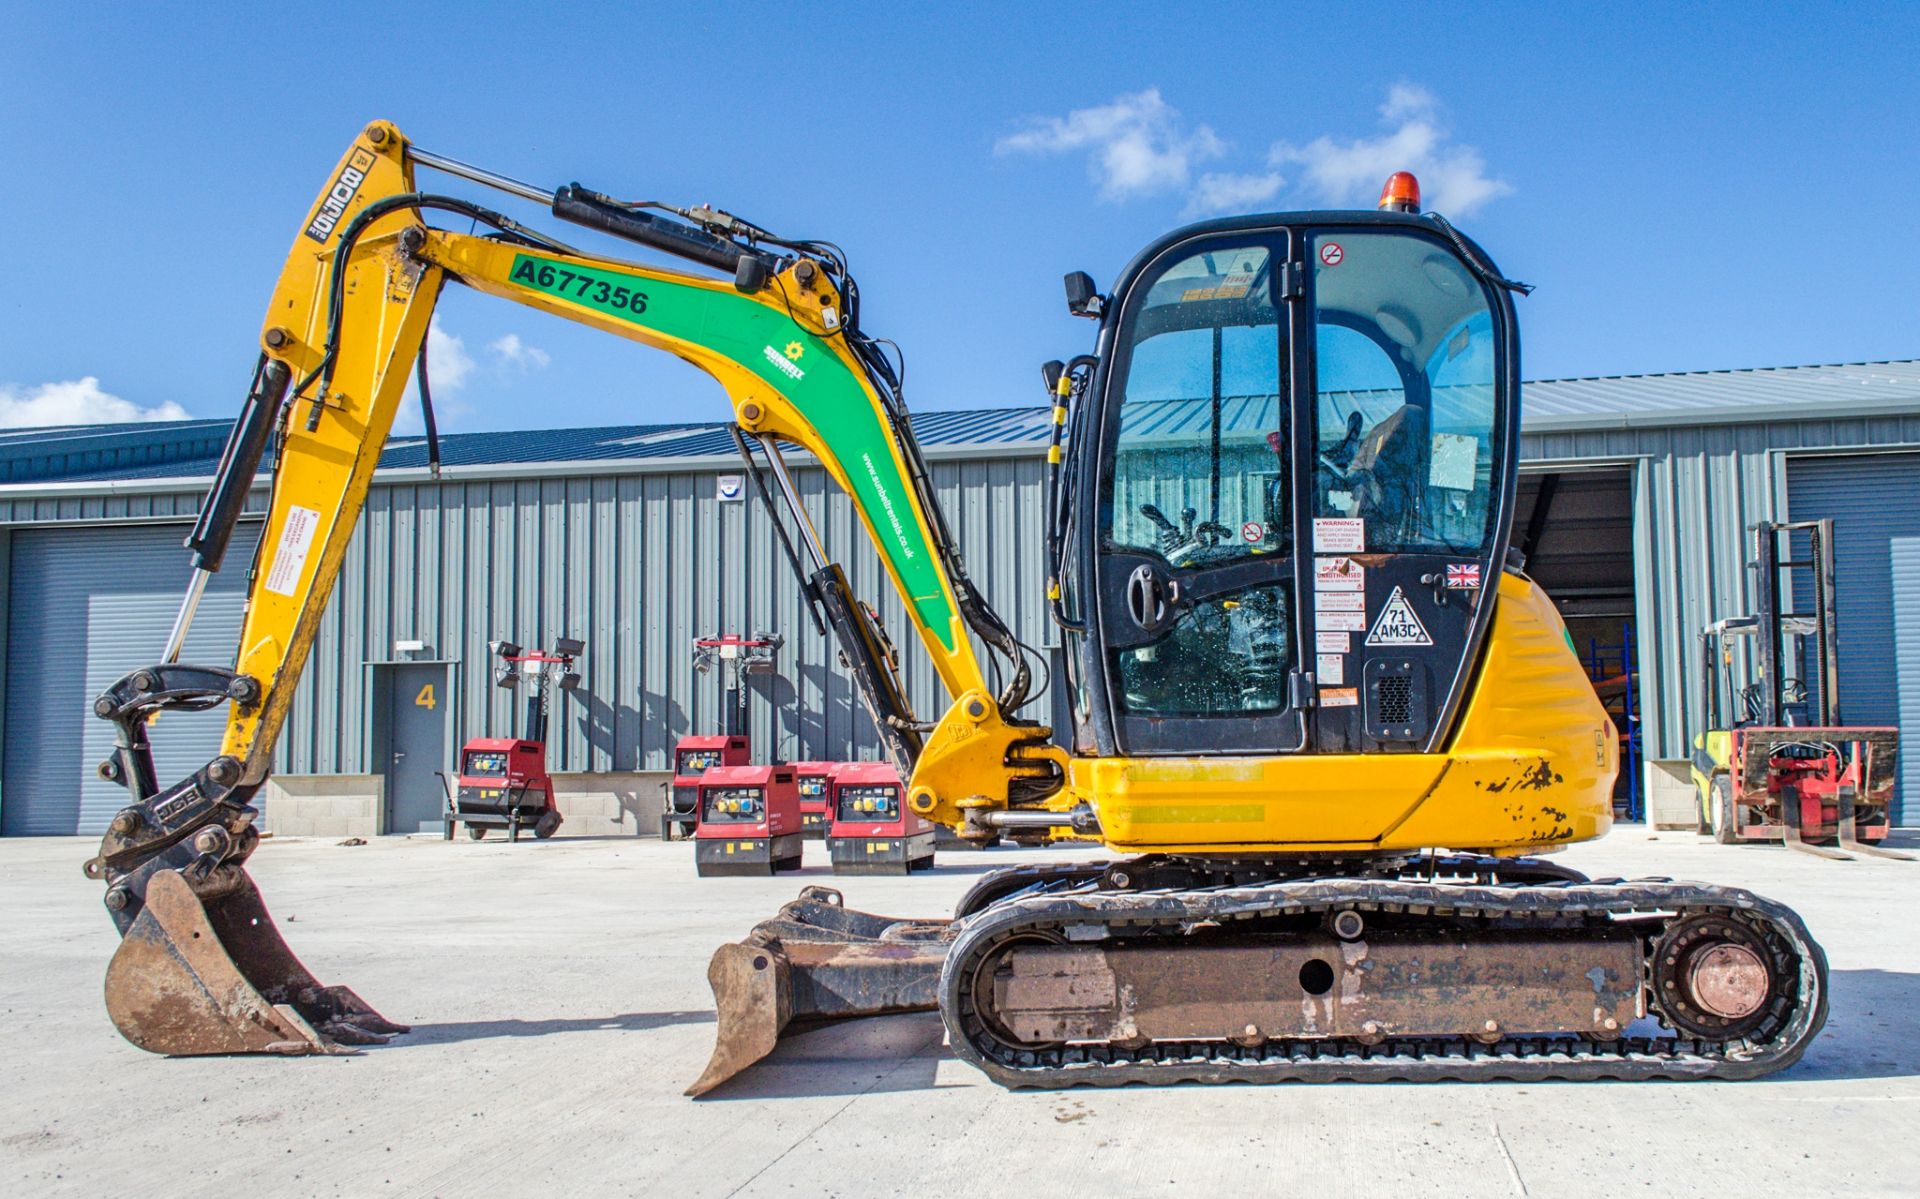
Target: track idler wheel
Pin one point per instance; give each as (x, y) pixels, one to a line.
(1718, 978)
(199, 976)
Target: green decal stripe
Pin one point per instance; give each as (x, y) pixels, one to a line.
(794, 362)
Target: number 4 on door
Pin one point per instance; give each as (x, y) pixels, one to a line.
(425, 698)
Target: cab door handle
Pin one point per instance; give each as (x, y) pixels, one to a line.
(1150, 598)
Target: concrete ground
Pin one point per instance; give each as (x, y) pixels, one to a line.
(558, 997)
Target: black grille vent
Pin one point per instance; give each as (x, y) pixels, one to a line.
(1394, 703)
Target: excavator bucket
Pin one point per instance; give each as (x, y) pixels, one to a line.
(213, 976)
(815, 963)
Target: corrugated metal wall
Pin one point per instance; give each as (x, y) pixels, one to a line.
(1696, 491)
(1877, 589)
(636, 565)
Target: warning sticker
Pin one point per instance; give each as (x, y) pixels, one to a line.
(1334, 642)
(1397, 624)
(1454, 459)
(1330, 668)
(1339, 535)
(1339, 601)
(290, 557)
(1338, 574)
(1194, 295)
(1253, 532)
(1339, 697)
(1331, 254)
(1351, 622)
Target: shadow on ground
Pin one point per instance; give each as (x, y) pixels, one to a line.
(1873, 1028)
(1873, 1031)
(477, 1030)
(875, 1056)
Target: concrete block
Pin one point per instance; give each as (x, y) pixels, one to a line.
(609, 804)
(1672, 801)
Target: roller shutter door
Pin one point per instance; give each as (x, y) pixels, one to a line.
(1876, 542)
(87, 605)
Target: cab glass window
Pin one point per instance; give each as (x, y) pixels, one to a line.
(1404, 359)
(1199, 467)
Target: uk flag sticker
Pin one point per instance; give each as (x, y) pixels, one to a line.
(1463, 576)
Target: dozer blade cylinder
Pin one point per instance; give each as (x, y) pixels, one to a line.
(814, 963)
(212, 975)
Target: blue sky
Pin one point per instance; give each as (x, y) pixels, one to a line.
(1724, 186)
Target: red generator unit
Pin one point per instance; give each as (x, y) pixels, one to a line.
(503, 781)
(874, 831)
(749, 821)
(815, 782)
(692, 758)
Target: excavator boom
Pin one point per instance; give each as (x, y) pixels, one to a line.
(201, 967)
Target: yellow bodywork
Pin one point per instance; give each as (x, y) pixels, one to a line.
(1531, 764)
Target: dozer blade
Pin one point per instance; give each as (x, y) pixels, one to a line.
(193, 977)
(814, 963)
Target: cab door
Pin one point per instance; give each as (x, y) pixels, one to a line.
(1414, 421)
(1196, 539)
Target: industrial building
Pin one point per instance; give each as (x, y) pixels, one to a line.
(1636, 496)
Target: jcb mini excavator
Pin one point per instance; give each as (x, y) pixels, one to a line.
(1310, 694)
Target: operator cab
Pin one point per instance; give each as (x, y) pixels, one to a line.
(1297, 492)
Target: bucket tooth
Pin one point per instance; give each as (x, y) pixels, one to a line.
(215, 977)
(814, 963)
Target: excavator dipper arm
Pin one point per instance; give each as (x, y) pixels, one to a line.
(201, 968)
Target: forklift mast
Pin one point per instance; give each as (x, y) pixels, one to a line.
(1773, 561)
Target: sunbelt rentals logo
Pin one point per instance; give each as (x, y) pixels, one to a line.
(785, 362)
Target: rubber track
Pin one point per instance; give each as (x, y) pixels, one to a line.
(1798, 1019)
(1051, 877)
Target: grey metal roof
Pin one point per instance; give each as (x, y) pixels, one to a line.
(191, 449)
(1723, 397)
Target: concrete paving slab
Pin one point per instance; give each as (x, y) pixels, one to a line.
(557, 992)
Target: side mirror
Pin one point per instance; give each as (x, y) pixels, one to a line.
(1050, 373)
(750, 274)
(1083, 299)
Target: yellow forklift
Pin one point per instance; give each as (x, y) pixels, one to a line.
(1777, 763)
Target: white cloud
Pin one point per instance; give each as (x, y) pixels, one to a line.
(1221, 191)
(513, 352)
(1408, 101)
(77, 402)
(1453, 178)
(1137, 146)
(448, 363)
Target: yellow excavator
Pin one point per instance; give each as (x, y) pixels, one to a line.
(1310, 694)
